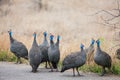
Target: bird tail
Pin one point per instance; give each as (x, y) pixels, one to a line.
(54, 65)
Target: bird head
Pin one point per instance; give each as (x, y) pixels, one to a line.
(81, 46)
(51, 37)
(10, 32)
(34, 34)
(45, 33)
(98, 42)
(92, 41)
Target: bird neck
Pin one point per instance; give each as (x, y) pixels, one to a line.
(98, 43)
(58, 40)
(98, 48)
(45, 38)
(35, 42)
(11, 38)
(57, 43)
(81, 48)
(83, 54)
(51, 42)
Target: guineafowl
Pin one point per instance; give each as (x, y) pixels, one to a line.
(44, 49)
(118, 53)
(102, 58)
(74, 60)
(17, 48)
(35, 55)
(89, 51)
(53, 53)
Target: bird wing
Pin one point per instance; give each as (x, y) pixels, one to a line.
(70, 58)
(19, 48)
(107, 58)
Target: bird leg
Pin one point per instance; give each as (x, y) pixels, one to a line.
(103, 71)
(46, 65)
(18, 61)
(51, 67)
(110, 70)
(77, 71)
(73, 72)
(34, 68)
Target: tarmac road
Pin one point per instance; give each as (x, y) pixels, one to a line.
(11, 71)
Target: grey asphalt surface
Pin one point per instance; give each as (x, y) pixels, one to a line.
(11, 71)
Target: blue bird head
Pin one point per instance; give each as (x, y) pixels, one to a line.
(92, 42)
(58, 37)
(51, 37)
(34, 34)
(98, 42)
(81, 46)
(10, 32)
(45, 34)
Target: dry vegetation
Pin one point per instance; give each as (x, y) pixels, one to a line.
(68, 18)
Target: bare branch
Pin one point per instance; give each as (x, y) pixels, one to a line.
(118, 7)
(105, 24)
(104, 12)
(113, 16)
(110, 16)
(109, 13)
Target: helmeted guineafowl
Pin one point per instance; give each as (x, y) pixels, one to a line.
(53, 53)
(44, 49)
(18, 48)
(102, 58)
(35, 55)
(74, 60)
(118, 53)
(89, 51)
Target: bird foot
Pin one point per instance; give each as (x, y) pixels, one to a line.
(18, 62)
(51, 71)
(34, 71)
(57, 70)
(79, 75)
(47, 67)
(102, 74)
(73, 75)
